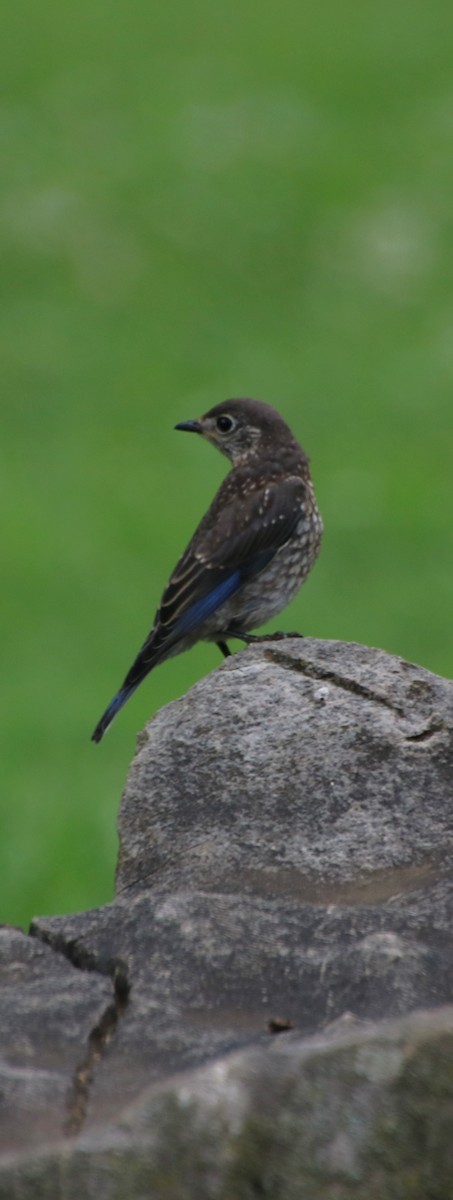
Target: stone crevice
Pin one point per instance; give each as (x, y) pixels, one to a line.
(327, 675)
(425, 735)
(98, 1041)
(103, 1031)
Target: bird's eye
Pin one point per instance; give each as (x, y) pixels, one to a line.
(224, 424)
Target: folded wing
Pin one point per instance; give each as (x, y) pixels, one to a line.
(232, 545)
(238, 544)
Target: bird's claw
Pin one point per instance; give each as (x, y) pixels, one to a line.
(278, 636)
(251, 638)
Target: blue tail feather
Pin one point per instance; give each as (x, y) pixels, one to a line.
(111, 711)
(150, 654)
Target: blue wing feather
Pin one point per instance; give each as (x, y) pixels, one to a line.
(203, 608)
(208, 604)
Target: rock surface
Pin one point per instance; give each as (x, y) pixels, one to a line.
(363, 1114)
(285, 837)
(48, 1011)
(303, 768)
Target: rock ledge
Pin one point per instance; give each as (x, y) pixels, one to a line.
(285, 838)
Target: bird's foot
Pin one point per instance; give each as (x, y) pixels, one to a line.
(279, 636)
(251, 638)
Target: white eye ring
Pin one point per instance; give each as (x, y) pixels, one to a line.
(224, 424)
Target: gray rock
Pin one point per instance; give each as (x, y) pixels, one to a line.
(48, 1010)
(209, 973)
(285, 838)
(356, 1112)
(303, 768)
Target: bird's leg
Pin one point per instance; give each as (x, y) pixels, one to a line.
(224, 649)
(251, 638)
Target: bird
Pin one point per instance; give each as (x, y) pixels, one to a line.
(252, 550)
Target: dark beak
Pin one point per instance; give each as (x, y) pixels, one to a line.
(190, 426)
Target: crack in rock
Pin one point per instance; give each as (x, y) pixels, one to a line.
(102, 1032)
(425, 735)
(98, 1041)
(326, 675)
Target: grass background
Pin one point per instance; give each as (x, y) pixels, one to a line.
(201, 200)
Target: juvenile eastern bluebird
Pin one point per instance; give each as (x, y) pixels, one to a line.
(251, 552)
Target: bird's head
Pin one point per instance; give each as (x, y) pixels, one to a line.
(241, 429)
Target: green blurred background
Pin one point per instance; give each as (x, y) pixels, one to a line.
(201, 200)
